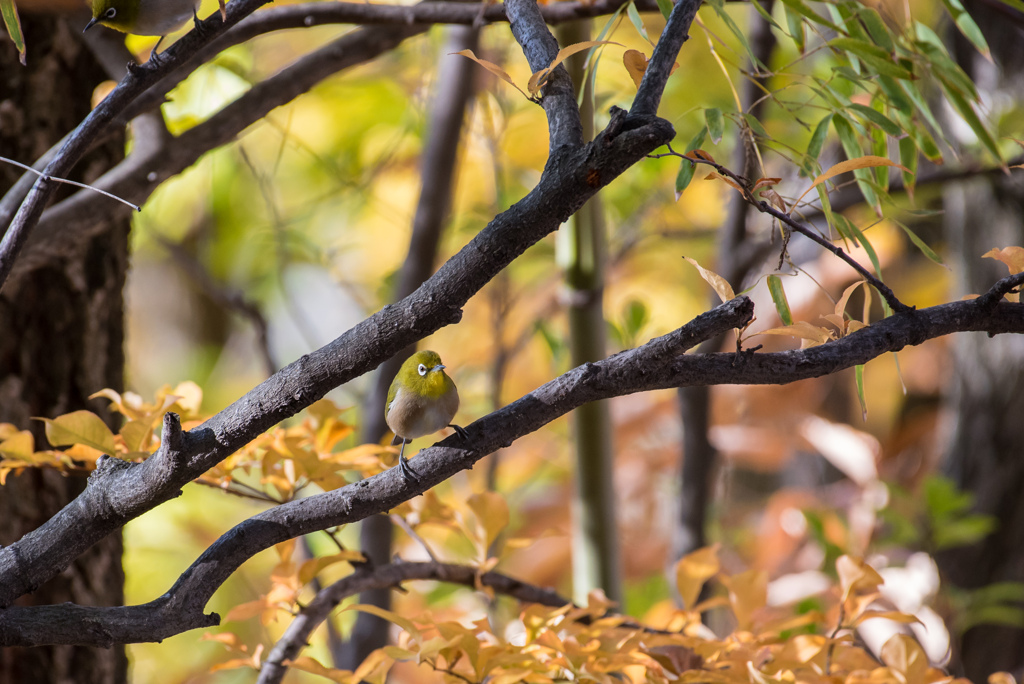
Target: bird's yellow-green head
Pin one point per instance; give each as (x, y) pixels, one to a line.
(422, 374)
(120, 15)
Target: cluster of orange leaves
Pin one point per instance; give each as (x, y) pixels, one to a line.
(275, 466)
(769, 645)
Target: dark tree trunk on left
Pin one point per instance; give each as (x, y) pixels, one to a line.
(63, 331)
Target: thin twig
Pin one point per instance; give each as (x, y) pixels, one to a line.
(743, 185)
(403, 523)
(47, 177)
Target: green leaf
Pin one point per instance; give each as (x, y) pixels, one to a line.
(872, 55)
(796, 29)
(635, 318)
(848, 138)
(908, 157)
(1010, 616)
(818, 141)
(877, 28)
(895, 95)
(80, 427)
(998, 592)
(942, 498)
(879, 119)
(847, 230)
(802, 9)
(741, 36)
(966, 24)
(756, 126)
(765, 15)
(880, 148)
(858, 372)
(687, 167)
(826, 204)
(666, 7)
(963, 107)
(866, 244)
(638, 23)
(13, 24)
(964, 531)
(921, 105)
(920, 244)
(779, 297)
(716, 124)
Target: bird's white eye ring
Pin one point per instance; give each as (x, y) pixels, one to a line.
(110, 13)
(422, 369)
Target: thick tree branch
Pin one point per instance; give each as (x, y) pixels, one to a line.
(659, 364)
(677, 32)
(137, 81)
(559, 97)
(387, 577)
(564, 186)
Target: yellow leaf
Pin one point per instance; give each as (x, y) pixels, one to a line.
(228, 639)
(903, 654)
(868, 161)
(244, 611)
(1013, 257)
(1001, 678)
(856, 575)
(748, 593)
(84, 453)
(714, 175)
(492, 67)
(313, 666)
(189, 397)
(492, 515)
(80, 427)
(693, 570)
(802, 330)
(20, 445)
(636, 65)
(374, 668)
(841, 304)
(721, 287)
(538, 78)
(893, 615)
(395, 618)
(136, 435)
(311, 568)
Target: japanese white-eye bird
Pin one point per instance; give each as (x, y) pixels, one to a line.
(144, 17)
(422, 399)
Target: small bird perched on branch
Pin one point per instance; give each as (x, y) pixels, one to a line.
(422, 399)
(144, 17)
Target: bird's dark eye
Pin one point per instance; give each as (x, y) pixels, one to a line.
(110, 13)
(422, 369)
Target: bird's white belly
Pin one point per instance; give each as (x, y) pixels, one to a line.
(421, 416)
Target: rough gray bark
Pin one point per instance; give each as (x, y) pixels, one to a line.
(63, 323)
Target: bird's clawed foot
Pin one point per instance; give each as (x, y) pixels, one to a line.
(198, 23)
(460, 431)
(407, 472)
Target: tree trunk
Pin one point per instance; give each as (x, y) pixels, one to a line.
(63, 334)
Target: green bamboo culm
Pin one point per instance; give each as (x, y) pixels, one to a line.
(581, 252)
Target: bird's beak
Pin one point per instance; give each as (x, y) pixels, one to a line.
(438, 367)
(92, 22)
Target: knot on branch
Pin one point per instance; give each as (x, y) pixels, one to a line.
(106, 467)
